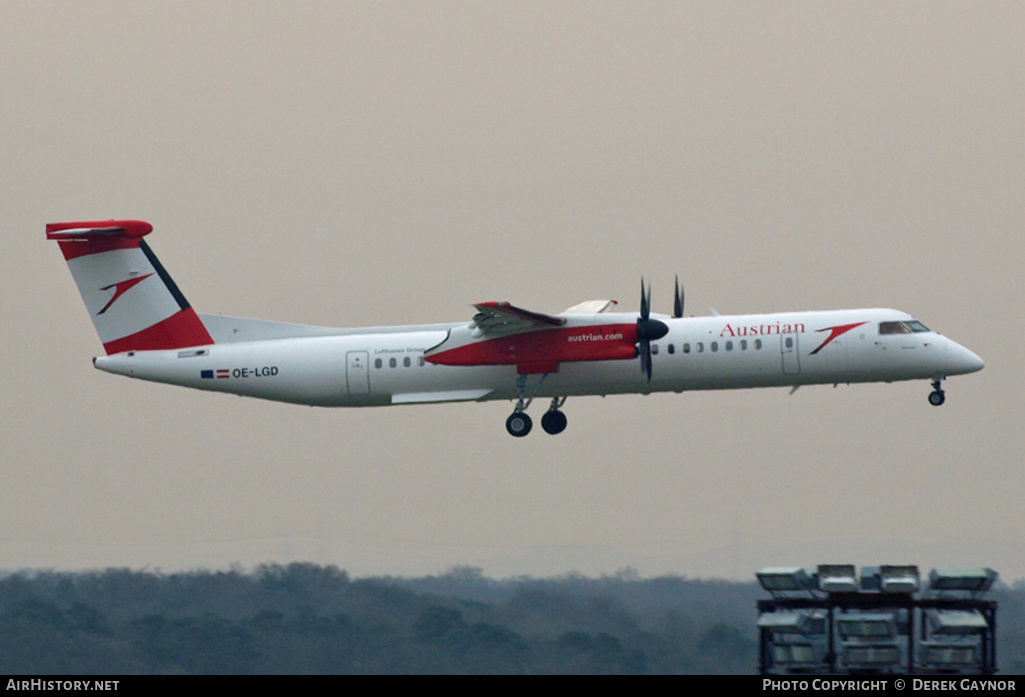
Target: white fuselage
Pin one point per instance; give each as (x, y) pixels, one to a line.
(377, 367)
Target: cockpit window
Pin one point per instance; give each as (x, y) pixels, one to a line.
(893, 328)
(909, 327)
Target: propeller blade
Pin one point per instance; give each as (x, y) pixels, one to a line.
(648, 330)
(645, 301)
(645, 351)
(678, 300)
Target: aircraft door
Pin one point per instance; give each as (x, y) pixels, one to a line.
(357, 372)
(791, 358)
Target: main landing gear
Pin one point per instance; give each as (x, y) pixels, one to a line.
(937, 396)
(554, 421)
(519, 424)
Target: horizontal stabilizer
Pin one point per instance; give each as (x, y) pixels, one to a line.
(97, 229)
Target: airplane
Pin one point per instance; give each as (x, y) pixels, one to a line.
(149, 331)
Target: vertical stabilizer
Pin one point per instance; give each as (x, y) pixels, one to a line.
(133, 302)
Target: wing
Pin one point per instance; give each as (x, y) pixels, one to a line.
(503, 334)
(495, 319)
(591, 307)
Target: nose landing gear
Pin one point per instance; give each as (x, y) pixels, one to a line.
(937, 396)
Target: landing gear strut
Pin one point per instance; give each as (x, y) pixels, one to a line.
(519, 424)
(937, 396)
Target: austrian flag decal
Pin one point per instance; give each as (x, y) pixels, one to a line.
(220, 373)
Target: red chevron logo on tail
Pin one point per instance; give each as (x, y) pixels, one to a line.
(120, 288)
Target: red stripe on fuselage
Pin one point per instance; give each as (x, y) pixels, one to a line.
(546, 347)
(181, 330)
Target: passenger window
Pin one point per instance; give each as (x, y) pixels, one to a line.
(701, 347)
(729, 345)
(686, 347)
(654, 349)
(743, 344)
(392, 363)
(715, 346)
(671, 348)
(377, 362)
(420, 360)
(758, 344)
(790, 342)
(405, 361)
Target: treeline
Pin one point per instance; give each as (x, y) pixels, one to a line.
(305, 618)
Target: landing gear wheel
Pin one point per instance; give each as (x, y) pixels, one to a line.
(553, 422)
(518, 424)
(937, 397)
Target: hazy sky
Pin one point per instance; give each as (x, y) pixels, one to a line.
(364, 163)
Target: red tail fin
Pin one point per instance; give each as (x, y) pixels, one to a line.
(133, 302)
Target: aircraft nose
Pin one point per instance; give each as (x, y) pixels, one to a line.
(960, 360)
